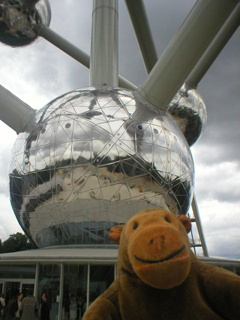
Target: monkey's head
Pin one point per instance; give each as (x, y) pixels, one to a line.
(154, 245)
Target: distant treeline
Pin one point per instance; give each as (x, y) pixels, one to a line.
(16, 242)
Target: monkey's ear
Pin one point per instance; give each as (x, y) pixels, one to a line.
(115, 233)
(186, 222)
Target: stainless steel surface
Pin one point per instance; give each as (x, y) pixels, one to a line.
(18, 22)
(104, 43)
(188, 110)
(184, 51)
(94, 160)
(29, 3)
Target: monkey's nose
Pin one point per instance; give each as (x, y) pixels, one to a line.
(158, 244)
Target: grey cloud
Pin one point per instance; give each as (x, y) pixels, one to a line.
(5, 156)
(222, 185)
(224, 195)
(232, 196)
(219, 149)
(223, 246)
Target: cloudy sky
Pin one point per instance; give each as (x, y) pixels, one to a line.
(40, 72)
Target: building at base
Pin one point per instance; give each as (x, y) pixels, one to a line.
(72, 276)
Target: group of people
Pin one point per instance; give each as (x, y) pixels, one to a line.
(25, 309)
(74, 306)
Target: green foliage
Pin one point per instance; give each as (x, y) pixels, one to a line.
(16, 242)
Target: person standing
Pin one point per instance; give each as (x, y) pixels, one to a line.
(10, 309)
(29, 307)
(19, 303)
(2, 305)
(45, 308)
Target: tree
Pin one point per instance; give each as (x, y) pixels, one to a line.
(16, 242)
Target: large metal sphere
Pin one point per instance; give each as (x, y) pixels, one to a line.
(188, 110)
(93, 161)
(18, 22)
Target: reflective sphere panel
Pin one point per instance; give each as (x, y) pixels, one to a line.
(91, 163)
(18, 23)
(189, 112)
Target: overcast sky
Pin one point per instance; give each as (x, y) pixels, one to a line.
(40, 72)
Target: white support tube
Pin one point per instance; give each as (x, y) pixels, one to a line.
(74, 52)
(199, 225)
(36, 280)
(64, 45)
(124, 83)
(104, 44)
(14, 112)
(143, 33)
(61, 293)
(184, 51)
(88, 285)
(215, 48)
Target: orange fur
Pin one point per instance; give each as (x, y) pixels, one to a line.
(160, 278)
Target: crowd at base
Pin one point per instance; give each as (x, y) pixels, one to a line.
(26, 308)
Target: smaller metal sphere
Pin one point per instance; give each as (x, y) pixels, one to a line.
(189, 112)
(19, 22)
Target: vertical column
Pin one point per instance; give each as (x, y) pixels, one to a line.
(104, 44)
(36, 280)
(61, 292)
(88, 284)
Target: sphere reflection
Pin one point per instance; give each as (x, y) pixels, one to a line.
(188, 110)
(93, 161)
(18, 23)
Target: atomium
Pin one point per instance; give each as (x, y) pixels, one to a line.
(188, 110)
(90, 163)
(18, 22)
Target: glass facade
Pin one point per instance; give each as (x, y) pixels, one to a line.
(11, 289)
(238, 271)
(74, 291)
(71, 286)
(101, 278)
(49, 282)
(17, 271)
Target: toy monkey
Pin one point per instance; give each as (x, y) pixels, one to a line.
(160, 278)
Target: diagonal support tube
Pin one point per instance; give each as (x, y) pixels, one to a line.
(14, 112)
(199, 225)
(143, 33)
(64, 45)
(184, 51)
(76, 53)
(215, 48)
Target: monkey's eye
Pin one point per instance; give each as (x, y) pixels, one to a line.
(135, 225)
(167, 220)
